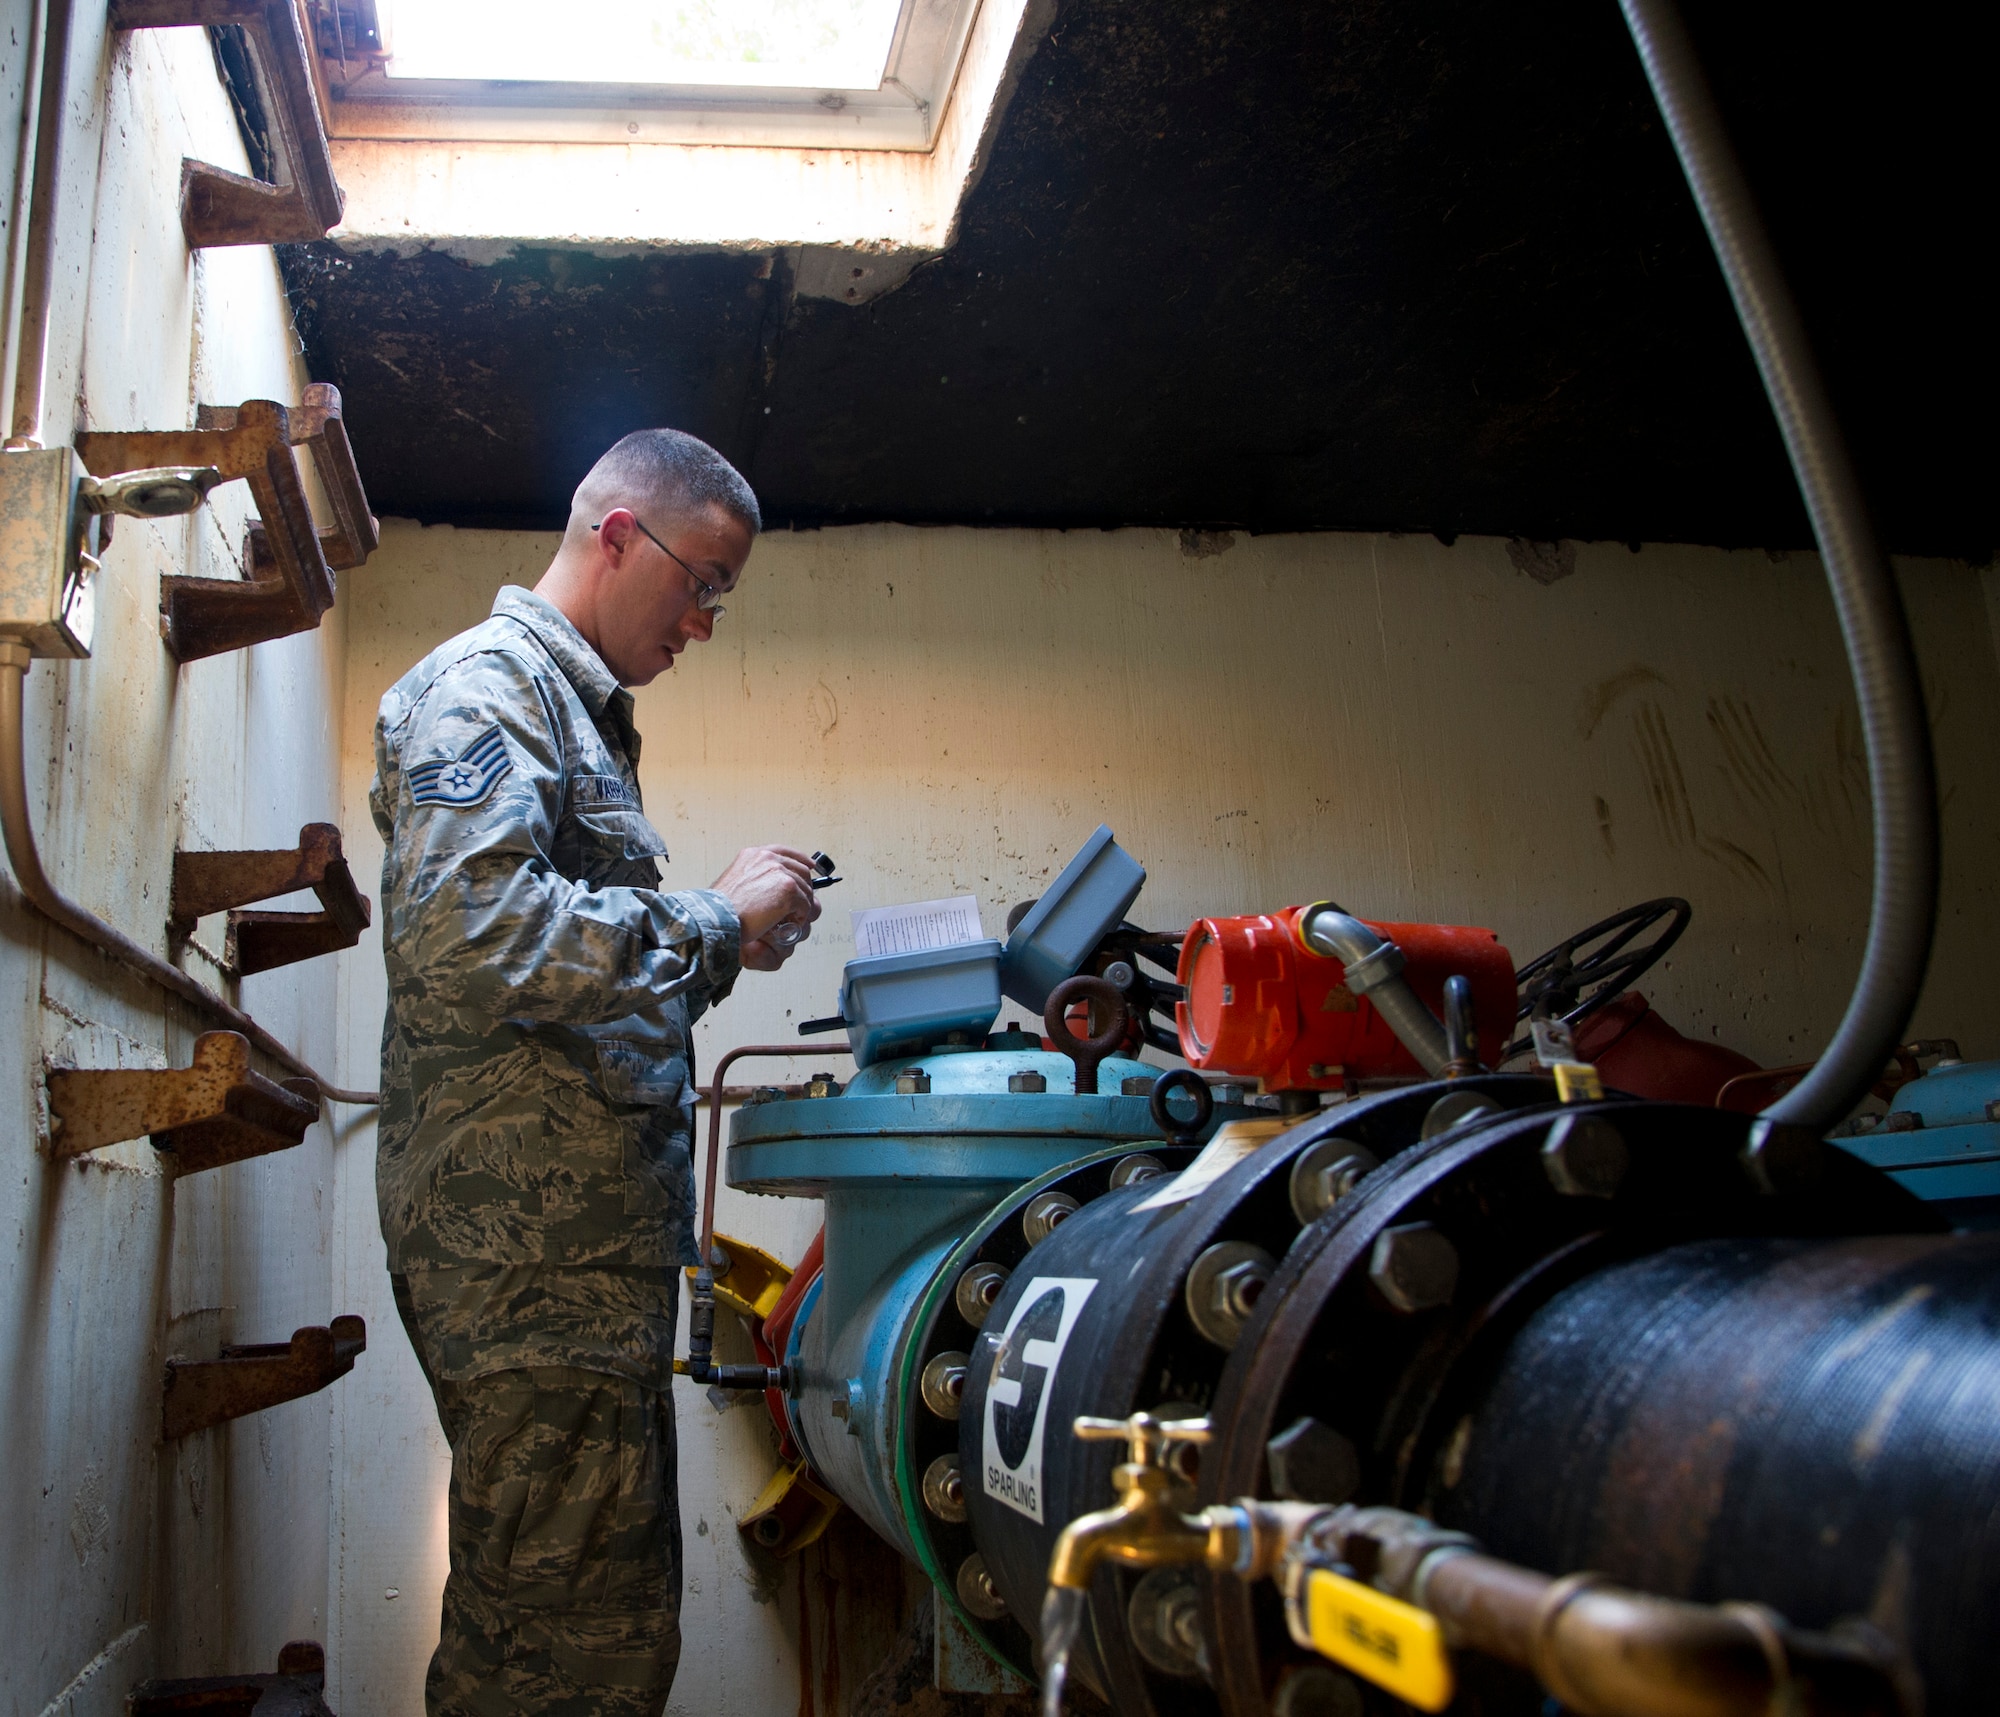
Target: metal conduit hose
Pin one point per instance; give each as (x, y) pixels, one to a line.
(1375, 970)
(1901, 778)
(43, 895)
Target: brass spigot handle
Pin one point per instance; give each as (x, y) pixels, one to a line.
(1148, 1438)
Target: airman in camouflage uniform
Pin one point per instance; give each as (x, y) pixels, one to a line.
(534, 1170)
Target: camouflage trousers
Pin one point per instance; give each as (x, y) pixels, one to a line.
(563, 1598)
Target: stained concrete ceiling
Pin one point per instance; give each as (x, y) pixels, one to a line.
(1413, 264)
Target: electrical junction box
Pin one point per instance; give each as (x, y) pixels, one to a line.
(47, 574)
(1077, 911)
(903, 1004)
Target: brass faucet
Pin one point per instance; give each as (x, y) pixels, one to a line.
(1145, 1529)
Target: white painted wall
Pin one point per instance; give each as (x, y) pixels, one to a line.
(121, 1558)
(1418, 731)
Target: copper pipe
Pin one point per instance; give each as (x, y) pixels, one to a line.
(19, 831)
(717, 1092)
(1607, 1652)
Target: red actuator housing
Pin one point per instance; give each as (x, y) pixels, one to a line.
(1263, 1004)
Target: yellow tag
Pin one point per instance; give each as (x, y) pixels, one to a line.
(1577, 1082)
(1395, 1645)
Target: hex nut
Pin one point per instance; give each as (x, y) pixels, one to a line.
(1164, 1619)
(976, 1590)
(1414, 1267)
(822, 1085)
(1325, 1173)
(1130, 1171)
(1046, 1210)
(1456, 1109)
(1136, 1085)
(944, 1489)
(1027, 1082)
(1120, 975)
(1585, 1157)
(943, 1383)
(1312, 1462)
(1223, 1286)
(977, 1289)
(912, 1082)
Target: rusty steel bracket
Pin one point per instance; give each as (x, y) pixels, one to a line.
(297, 1690)
(214, 1111)
(205, 1392)
(292, 560)
(222, 208)
(258, 941)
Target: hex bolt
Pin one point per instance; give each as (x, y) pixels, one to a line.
(1027, 1082)
(1164, 1619)
(1585, 1157)
(977, 1289)
(912, 1082)
(1130, 1171)
(1312, 1462)
(943, 1383)
(1236, 1290)
(1902, 1121)
(1325, 1173)
(1223, 1286)
(1120, 974)
(944, 1489)
(1414, 1267)
(976, 1590)
(1046, 1210)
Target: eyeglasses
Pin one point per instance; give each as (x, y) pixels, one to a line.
(706, 597)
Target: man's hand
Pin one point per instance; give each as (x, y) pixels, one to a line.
(768, 886)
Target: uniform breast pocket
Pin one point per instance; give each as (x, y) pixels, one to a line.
(618, 847)
(649, 1090)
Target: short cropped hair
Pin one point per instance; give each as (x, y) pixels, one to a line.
(673, 472)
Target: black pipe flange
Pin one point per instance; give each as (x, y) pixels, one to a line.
(1135, 1343)
(1372, 1341)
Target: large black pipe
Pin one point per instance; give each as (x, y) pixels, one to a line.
(1901, 778)
(1807, 1421)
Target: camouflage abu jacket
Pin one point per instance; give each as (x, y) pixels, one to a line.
(537, 1081)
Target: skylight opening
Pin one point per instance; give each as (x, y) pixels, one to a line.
(723, 44)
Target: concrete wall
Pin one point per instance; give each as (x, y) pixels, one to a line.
(122, 1558)
(1479, 734)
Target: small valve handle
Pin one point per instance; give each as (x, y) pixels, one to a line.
(1085, 1053)
(1148, 1438)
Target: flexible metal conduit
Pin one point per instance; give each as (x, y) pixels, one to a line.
(1375, 970)
(35, 885)
(1901, 778)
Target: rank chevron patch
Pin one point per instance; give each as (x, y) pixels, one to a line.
(465, 779)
